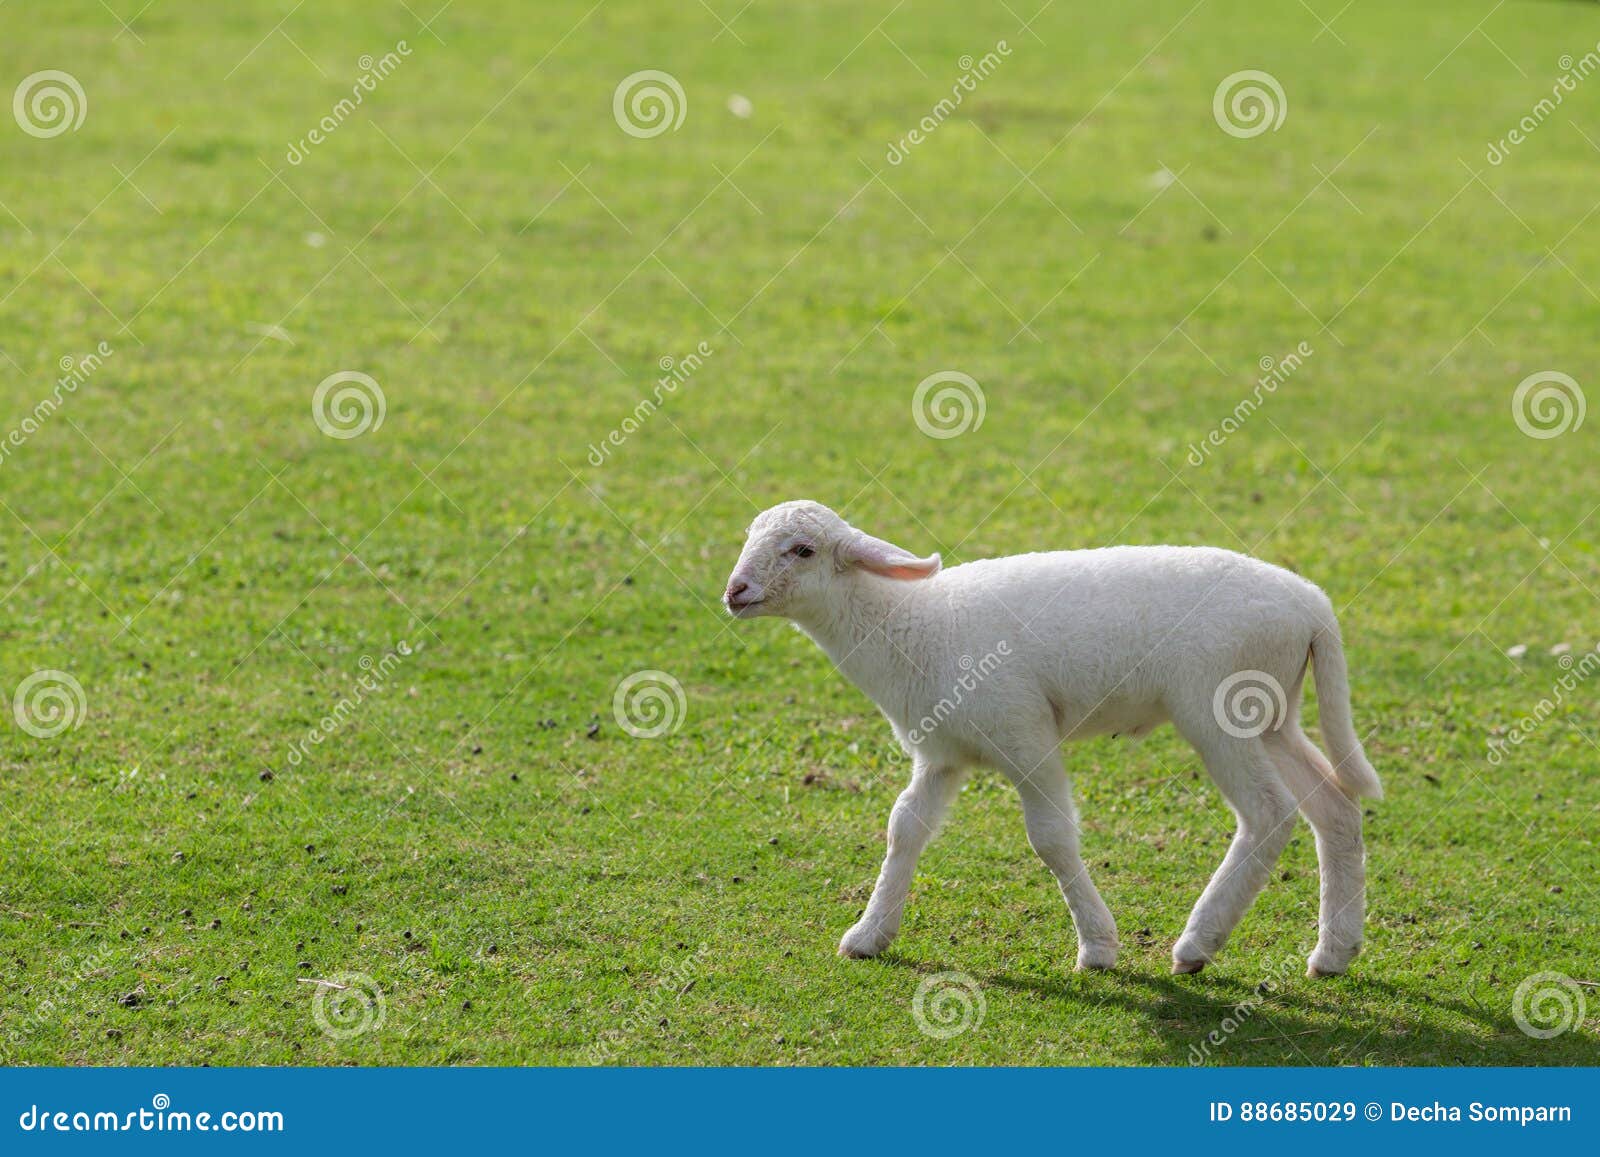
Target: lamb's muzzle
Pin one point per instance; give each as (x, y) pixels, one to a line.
(740, 594)
(998, 662)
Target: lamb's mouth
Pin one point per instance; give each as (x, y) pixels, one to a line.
(743, 606)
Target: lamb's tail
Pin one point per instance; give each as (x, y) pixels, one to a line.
(1351, 771)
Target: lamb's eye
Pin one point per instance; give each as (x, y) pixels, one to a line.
(802, 550)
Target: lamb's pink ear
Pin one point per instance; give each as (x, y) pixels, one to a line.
(886, 558)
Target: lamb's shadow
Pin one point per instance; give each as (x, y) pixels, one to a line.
(1231, 1018)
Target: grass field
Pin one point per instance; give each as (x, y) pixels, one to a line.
(500, 872)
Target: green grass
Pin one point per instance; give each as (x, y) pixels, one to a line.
(526, 882)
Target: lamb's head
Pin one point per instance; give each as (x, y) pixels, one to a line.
(795, 555)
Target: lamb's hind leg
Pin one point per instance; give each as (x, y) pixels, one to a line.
(913, 822)
(1052, 822)
(1265, 809)
(1341, 860)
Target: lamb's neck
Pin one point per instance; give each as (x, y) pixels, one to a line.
(877, 636)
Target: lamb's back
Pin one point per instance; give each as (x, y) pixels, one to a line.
(1124, 596)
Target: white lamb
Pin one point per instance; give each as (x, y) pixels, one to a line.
(1078, 643)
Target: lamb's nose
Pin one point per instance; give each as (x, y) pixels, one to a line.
(735, 589)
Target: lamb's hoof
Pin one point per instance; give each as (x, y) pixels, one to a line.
(1097, 957)
(1325, 962)
(1187, 955)
(862, 943)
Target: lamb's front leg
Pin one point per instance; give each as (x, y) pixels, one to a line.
(1052, 821)
(915, 818)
